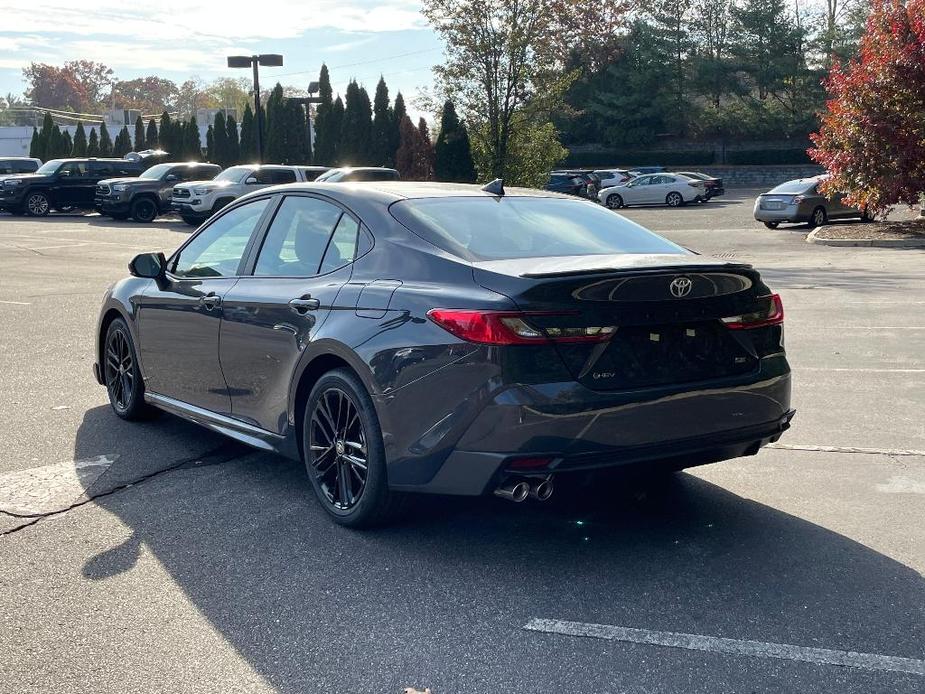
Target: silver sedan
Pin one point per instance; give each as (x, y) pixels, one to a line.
(801, 201)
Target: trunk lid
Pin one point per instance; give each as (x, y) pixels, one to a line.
(666, 310)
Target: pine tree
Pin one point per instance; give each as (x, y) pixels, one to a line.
(452, 152)
(234, 146)
(326, 137)
(93, 144)
(192, 143)
(277, 125)
(44, 136)
(35, 147)
(163, 139)
(80, 141)
(248, 133)
(53, 144)
(105, 142)
(424, 153)
(151, 135)
(297, 136)
(355, 133)
(336, 126)
(210, 144)
(67, 144)
(220, 141)
(381, 151)
(398, 116)
(123, 143)
(139, 134)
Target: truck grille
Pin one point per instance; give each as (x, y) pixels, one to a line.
(181, 193)
(102, 189)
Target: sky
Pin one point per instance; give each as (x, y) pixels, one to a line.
(179, 39)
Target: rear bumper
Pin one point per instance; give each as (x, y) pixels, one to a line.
(789, 213)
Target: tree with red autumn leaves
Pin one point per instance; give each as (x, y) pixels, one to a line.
(872, 136)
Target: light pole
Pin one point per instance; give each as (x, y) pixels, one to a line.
(267, 60)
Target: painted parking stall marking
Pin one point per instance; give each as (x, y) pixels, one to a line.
(715, 644)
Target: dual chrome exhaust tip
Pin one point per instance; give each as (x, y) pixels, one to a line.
(518, 490)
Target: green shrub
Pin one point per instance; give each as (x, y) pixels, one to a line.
(767, 157)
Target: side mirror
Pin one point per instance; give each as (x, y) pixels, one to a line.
(172, 177)
(150, 265)
(250, 180)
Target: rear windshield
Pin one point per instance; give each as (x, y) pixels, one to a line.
(794, 187)
(483, 228)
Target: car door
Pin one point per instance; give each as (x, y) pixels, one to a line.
(273, 312)
(179, 319)
(74, 185)
(637, 190)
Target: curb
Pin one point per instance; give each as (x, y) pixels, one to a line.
(871, 243)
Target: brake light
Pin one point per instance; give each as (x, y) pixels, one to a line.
(512, 327)
(797, 199)
(772, 315)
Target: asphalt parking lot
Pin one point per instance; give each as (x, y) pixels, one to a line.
(162, 557)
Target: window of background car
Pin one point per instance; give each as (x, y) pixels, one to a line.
(298, 237)
(49, 167)
(217, 250)
(235, 174)
(275, 176)
(794, 187)
(157, 171)
(74, 169)
(525, 227)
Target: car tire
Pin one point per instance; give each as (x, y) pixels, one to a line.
(121, 374)
(192, 221)
(866, 216)
(37, 204)
(674, 199)
(614, 201)
(219, 204)
(144, 210)
(818, 217)
(341, 434)
(772, 225)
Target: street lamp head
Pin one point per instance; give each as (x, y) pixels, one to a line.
(239, 61)
(313, 87)
(270, 59)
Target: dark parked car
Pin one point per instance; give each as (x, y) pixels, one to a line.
(415, 337)
(801, 201)
(570, 184)
(592, 180)
(358, 173)
(713, 186)
(18, 165)
(62, 184)
(146, 196)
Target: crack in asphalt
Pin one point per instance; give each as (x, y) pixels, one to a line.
(217, 456)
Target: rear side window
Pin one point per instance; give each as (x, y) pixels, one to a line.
(73, 169)
(298, 237)
(343, 246)
(275, 176)
(794, 187)
(483, 228)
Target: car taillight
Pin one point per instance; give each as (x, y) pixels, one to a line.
(772, 314)
(512, 327)
(695, 184)
(797, 199)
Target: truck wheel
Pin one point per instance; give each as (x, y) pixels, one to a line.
(37, 204)
(144, 210)
(771, 225)
(219, 204)
(192, 221)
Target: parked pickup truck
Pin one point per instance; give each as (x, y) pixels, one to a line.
(145, 197)
(196, 201)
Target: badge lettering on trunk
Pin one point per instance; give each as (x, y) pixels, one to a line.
(680, 287)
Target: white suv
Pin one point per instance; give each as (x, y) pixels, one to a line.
(196, 201)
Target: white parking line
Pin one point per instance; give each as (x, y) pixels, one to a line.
(846, 449)
(16, 303)
(875, 371)
(715, 644)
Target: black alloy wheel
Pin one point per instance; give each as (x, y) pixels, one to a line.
(144, 210)
(121, 373)
(344, 453)
(37, 204)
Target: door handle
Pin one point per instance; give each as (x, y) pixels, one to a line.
(304, 304)
(210, 301)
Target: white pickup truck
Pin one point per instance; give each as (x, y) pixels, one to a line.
(196, 201)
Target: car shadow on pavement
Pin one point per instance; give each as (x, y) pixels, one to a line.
(445, 592)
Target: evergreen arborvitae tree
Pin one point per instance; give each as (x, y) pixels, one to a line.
(192, 143)
(80, 141)
(53, 145)
(48, 126)
(123, 143)
(93, 144)
(452, 151)
(139, 134)
(357, 126)
(151, 135)
(67, 144)
(35, 147)
(105, 141)
(164, 134)
(326, 137)
(178, 138)
(404, 155)
(398, 115)
(220, 141)
(277, 124)
(424, 153)
(234, 146)
(336, 126)
(380, 147)
(210, 144)
(248, 134)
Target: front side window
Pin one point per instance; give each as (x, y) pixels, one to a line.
(156, 172)
(73, 169)
(49, 167)
(485, 228)
(217, 250)
(298, 238)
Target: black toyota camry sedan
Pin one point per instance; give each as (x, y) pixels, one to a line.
(425, 337)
